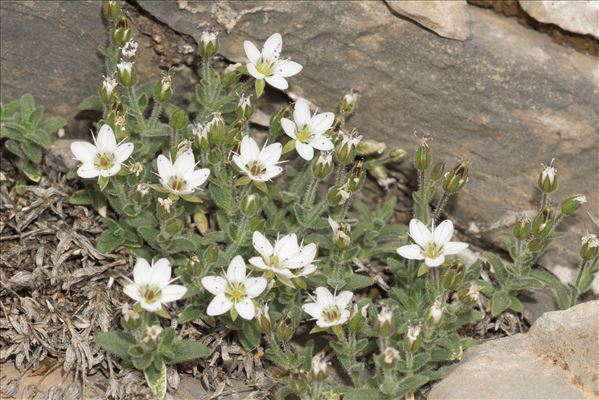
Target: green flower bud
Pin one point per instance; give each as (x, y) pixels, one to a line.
(370, 147)
(178, 119)
(121, 32)
(435, 313)
(107, 93)
(337, 196)
(200, 219)
(423, 157)
(390, 357)
(250, 205)
(111, 9)
(245, 109)
(346, 150)
(348, 103)
(385, 322)
(521, 229)
(319, 365)
(129, 49)
(285, 328)
(216, 129)
(211, 254)
(164, 90)
(323, 166)
(208, 43)
(547, 179)
(535, 245)
(131, 319)
(572, 204)
(469, 296)
(126, 73)
(341, 234)
(412, 338)
(453, 276)
(437, 171)
(356, 178)
(263, 319)
(152, 334)
(590, 247)
(397, 154)
(201, 134)
(455, 179)
(231, 74)
(356, 319)
(542, 223)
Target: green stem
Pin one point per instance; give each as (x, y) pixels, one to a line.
(340, 175)
(544, 200)
(240, 238)
(155, 113)
(310, 193)
(138, 113)
(440, 205)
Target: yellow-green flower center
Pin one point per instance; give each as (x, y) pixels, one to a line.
(177, 184)
(256, 168)
(104, 161)
(236, 292)
(432, 251)
(304, 134)
(332, 314)
(264, 67)
(150, 294)
(274, 262)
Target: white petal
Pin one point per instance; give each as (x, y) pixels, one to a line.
(165, 168)
(123, 151)
(270, 154)
(141, 272)
(286, 247)
(84, 151)
(284, 273)
(246, 309)
(258, 262)
(320, 123)
(151, 307)
(272, 47)
(251, 51)
(160, 273)
(239, 162)
(277, 81)
(214, 284)
(270, 173)
(88, 170)
(132, 290)
(420, 233)
(304, 257)
(262, 245)
(106, 141)
(197, 178)
(411, 252)
(301, 113)
(324, 297)
(313, 309)
(172, 293)
(304, 150)
(249, 150)
(307, 270)
(343, 299)
(255, 286)
(289, 127)
(287, 68)
(219, 305)
(184, 163)
(112, 171)
(254, 72)
(443, 232)
(434, 262)
(236, 270)
(321, 143)
(454, 248)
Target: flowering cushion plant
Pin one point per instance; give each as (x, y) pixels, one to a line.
(200, 190)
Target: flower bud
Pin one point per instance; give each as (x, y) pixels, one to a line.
(380, 173)
(163, 91)
(535, 245)
(521, 229)
(356, 178)
(590, 247)
(385, 322)
(435, 313)
(136, 168)
(285, 328)
(230, 74)
(208, 43)
(216, 129)
(572, 204)
(453, 275)
(346, 150)
(178, 119)
(547, 179)
(370, 147)
(210, 255)
(131, 319)
(107, 93)
(318, 371)
(141, 190)
(390, 357)
(121, 32)
(412, 339)
(263, 318)
(201, 134)
(121, 129)
(437, 171)
(152, 333)
(338, 196)
(245, 109)
(341, 234)
(423, 157)
(348, 103)
(356, 320)
(126, 73)
(250, 205)
(455, 179)
(111, 9)
(323, 166)
(165, 204)
(129, 50)
(469, 296)
(542, 223)
(397, 154)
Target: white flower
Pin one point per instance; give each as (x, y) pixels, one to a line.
(108, 84)
(208, 37)
(413, 333)
(143, 188)
(308, 131)
(258, 165)
(103, 158)
(432, 247)
(180, 177)
(590, 240)
(549, 173)
(341, 233)
(390, 355)
(124, 67)
(232, 68)
(436, 312)
(329, 310)
(285, 257)
(151, 286)
(165, 203)
(235, 290)
(266, 64)
(152, 333)
(129, 49)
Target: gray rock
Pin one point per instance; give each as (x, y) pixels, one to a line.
(557, 359)
(574, 16)
(60, 157)
(449, 19)
(507, 99)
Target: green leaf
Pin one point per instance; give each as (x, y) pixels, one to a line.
(92, 103)
(516, 304)
(259, 86)
(249, 335)
(81, 197)
(289, 146)
(51, 124)
(32, 151)
(156, 379)
(498, 267)
(103, 182)
(500, 302)
(561, 293)
(40, 138)
(107, 242)
(116, 342)
(14, 147)
(363, 394)
(185, 350)
(27, 104)
(356, 281)
(33, 172)
(190, 313)
(411, 384)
